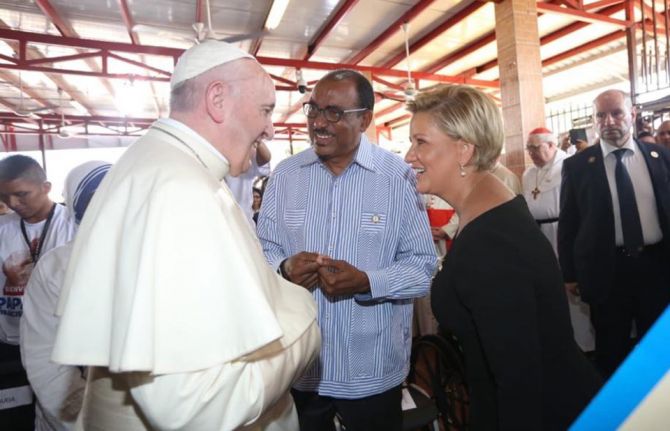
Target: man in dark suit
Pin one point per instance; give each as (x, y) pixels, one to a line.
(614, 229)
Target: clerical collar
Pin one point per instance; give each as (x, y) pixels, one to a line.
(195, 135)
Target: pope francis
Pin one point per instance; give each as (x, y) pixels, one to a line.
(168, 299)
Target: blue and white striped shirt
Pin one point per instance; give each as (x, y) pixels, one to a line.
(372, 217)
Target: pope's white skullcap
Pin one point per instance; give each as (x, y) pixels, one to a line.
(200, 58)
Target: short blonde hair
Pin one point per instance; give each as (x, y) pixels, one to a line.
(465, 113)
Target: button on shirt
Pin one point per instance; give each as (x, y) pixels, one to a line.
(633, 160)
(372, 217)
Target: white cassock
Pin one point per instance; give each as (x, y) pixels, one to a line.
(542, 190)
(59, 388)
(168, 298)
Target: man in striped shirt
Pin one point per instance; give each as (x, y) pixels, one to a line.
(343, 219)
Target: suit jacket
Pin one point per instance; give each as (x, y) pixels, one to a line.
(586, 236)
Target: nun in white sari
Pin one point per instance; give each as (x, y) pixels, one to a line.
(58, 388)
(168, 297)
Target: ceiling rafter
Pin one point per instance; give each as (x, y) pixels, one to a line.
(460, 53)
(128, 22)
(611, 37)
(8, 77)
(199, 10)
(61, 25)
(602, 3)
(582, 15)
(59, 81)
(330, 25)
(585, 60)
(472, 7)
(408, 16)
(558, 34)
(66, 29)
(269, 61)
(255, 45)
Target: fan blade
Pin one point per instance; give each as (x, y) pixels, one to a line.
(22, 112)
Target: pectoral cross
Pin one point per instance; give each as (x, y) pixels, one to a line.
(535, 192)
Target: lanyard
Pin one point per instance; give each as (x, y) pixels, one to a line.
(35, 254)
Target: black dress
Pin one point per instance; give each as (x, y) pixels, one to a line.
(501, 293)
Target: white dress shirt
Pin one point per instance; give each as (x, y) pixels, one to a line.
(634, 162)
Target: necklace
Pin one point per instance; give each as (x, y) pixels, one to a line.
(538, 181)
(37, 250)
(197, 156)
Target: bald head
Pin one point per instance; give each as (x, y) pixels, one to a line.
(614, 117)
(663, 134)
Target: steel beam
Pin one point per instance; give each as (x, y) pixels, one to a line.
(325, 31)
(74, 42)
(602, 3)
(34, 53)
(61, 25)
(14, 81)
(128, 21)
(318, 65)
(458, 54)
(558, 34)
(582, 15)
(444, 26)
(390, 31)
(66, 30)
(585, 47)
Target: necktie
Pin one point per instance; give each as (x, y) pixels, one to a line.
(630, 218)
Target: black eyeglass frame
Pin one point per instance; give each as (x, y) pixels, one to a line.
(338, 113)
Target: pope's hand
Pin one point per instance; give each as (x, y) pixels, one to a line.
(338, 277)
(302, 269)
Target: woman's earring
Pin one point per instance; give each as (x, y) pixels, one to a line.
(462, 170)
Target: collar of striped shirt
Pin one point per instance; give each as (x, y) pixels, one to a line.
(363, 157)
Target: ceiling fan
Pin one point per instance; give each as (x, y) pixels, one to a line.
(63, 132)
(409, 90)
(202, 31)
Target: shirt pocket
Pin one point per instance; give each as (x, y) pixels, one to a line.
(371, 237)
(373, 221)
(294, 220)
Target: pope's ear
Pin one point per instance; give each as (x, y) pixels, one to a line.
(216, 96)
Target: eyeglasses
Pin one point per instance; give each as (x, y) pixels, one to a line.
(332, 114)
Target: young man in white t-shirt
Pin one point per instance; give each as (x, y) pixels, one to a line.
(36, 226)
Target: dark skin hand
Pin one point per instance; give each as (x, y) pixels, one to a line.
(302, 269)
(339, 278)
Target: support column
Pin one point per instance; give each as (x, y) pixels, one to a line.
(520, 66)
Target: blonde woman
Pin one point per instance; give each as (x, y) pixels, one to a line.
(500, 289)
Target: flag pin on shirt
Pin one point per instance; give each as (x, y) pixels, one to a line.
(375, 218)
(592, 159)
